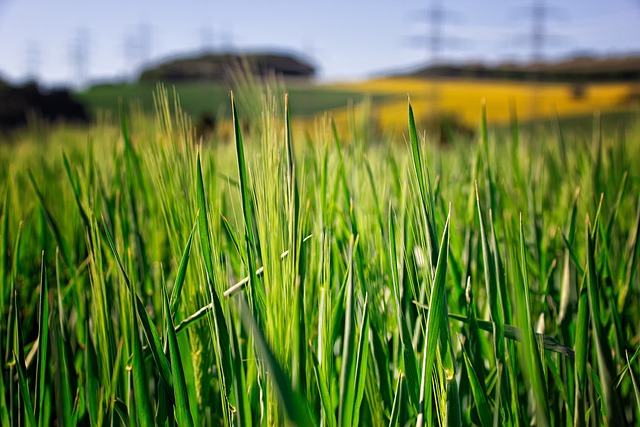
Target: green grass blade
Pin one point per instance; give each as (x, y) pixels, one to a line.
(636, 385)
(59, 357)
(581, 345)
(43, 342)
(513, 333)
(256, 296)
(76, 193)
(625, 369)
(92, 386)
(24, 391)
(143, 404)
(243, 409)
(347, 370)
(19, 363)
(4, 246)
(51, 223)
(4, 410)
(143, 316)
(631, 261)
(425, 193)
(323, 390)
(437, 312)
(221, 340)
(180, 275)
(360, 373)
(493, 291)
(294, 405)
(409, 357)
(399, 404)
(484, 411)
(183, 413)
(615, 414)
(530, 355)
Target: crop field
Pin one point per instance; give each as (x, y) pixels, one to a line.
(382, 102)
(322, 277)
(461, 98)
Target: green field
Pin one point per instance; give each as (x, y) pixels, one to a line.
(212, 98)
(275, 279)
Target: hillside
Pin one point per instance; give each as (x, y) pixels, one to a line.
(574, 69)
(217, 67)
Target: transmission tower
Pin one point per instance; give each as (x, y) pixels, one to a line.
(145, 43)
(227, 41)
(79, 55)
(540, 38)
(137, 49)
(435, 41)
(32, 60)
(206, 39)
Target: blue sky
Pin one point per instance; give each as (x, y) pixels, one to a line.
(349, 39)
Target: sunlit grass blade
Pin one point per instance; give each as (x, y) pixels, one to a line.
(615, 414)
(529, 354)
(243, 409)
(143, 316)
(437, 316)
(4, 246)
(348, 367)
(180, 275)
(294, 405)
(76, 193)
(408, 355)
(43, 343)
(323, 389)
(93, 391)
(631, 261)
(4, 410)
(59, 357)
(399, 404)
(19, 363)
(221, 339)
(256, 296)
(568, 293)
(636, 385)
(625, 368)
(484, 411)
(424, 188)
(360, 372)
(182, 411)
(300, 341)
(24, 391)
(581, 345)
(491, 286)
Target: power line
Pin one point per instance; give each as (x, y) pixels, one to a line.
(79, 52)
(206, 39)
(32, 60)
(539, 40)
(137, 48)
(435, 40)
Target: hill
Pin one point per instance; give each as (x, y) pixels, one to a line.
(574, 69)
(217, 67)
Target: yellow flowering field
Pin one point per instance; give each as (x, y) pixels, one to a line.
(462, 98)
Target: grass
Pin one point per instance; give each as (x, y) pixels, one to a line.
(212, 99)
(318, 278)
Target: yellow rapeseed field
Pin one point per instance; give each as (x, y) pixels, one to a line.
(463, 98)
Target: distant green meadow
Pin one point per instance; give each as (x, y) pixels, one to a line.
(212, 99)
(328, 278)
